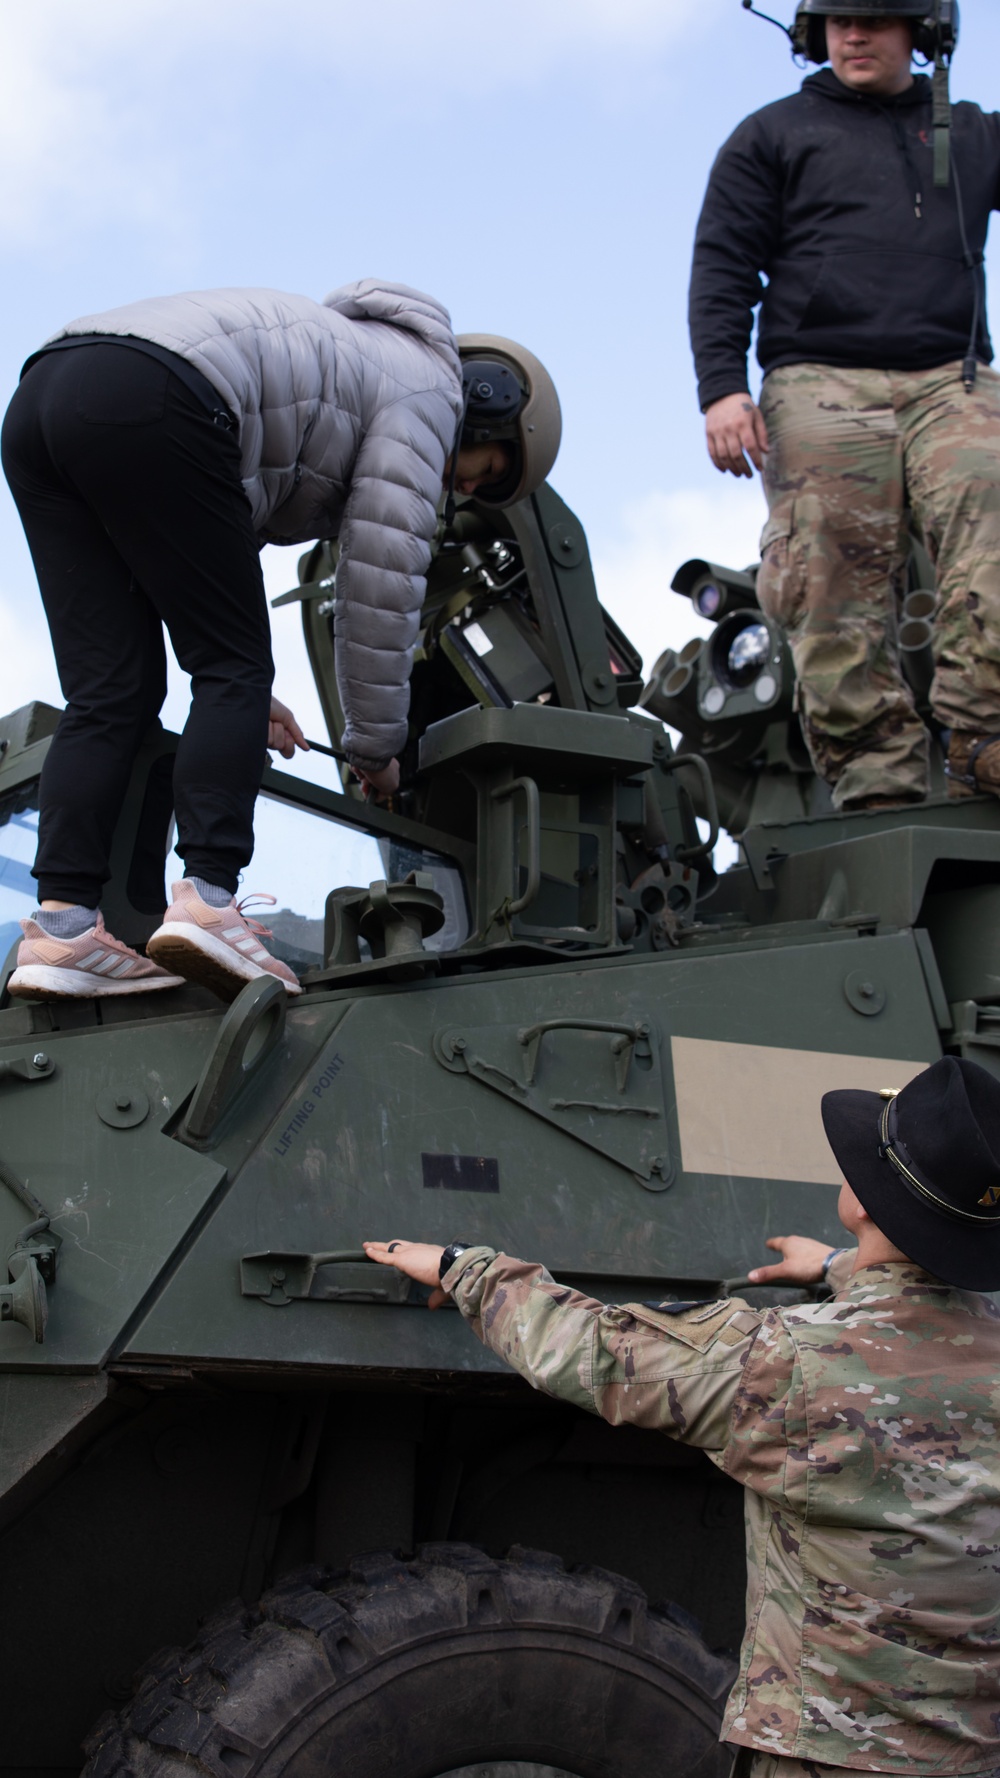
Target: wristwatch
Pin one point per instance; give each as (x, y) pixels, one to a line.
(450, 1255)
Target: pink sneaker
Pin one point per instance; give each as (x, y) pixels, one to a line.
(218, 947)
(83, 968)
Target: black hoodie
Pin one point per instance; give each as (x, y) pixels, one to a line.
(831, 196)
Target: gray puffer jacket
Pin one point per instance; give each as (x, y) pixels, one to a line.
(347, 410)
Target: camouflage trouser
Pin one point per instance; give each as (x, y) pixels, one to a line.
(766, 1765)
(850, 449)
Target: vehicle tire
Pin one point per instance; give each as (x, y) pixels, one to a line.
(451, 1663)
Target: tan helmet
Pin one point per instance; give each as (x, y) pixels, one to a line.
(509, 395)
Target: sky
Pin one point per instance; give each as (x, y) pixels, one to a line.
(537, 166)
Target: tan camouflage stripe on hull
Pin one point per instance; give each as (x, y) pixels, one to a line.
(750, 1111)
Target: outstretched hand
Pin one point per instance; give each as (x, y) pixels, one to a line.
(419, 1260)
(283, 732)
(801, 1261)
(734, 431)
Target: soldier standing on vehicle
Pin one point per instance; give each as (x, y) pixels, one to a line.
(151, 451)
(864, 1429)
(877, 396)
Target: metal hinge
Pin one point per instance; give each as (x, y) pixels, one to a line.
(36, 1067)
(31, 1264)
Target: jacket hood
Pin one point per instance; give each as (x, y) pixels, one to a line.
(826, 83)
(374, 299)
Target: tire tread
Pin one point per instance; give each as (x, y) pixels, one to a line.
(316, 1628)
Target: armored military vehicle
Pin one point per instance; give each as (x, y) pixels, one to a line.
(262, 1515)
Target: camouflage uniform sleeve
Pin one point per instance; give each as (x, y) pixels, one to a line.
(839, 1272)
(676, 1369)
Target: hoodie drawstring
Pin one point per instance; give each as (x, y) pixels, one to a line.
(903, 144)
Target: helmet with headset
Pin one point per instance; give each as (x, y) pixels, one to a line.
(934, 26)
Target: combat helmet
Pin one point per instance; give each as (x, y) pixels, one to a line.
(934, 22)
(510, 398)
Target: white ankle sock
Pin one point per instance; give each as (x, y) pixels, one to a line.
(211, 893)
(65, 922)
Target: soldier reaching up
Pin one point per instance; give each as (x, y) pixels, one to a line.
(864, 1429)
(877, 396)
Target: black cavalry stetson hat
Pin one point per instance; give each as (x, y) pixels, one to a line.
(925, 1163)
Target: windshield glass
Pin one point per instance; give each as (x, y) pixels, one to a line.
(300, 855)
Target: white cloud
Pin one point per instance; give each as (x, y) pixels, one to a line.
(123, 114)
(69, 134)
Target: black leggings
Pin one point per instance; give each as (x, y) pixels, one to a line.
(130, 496)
